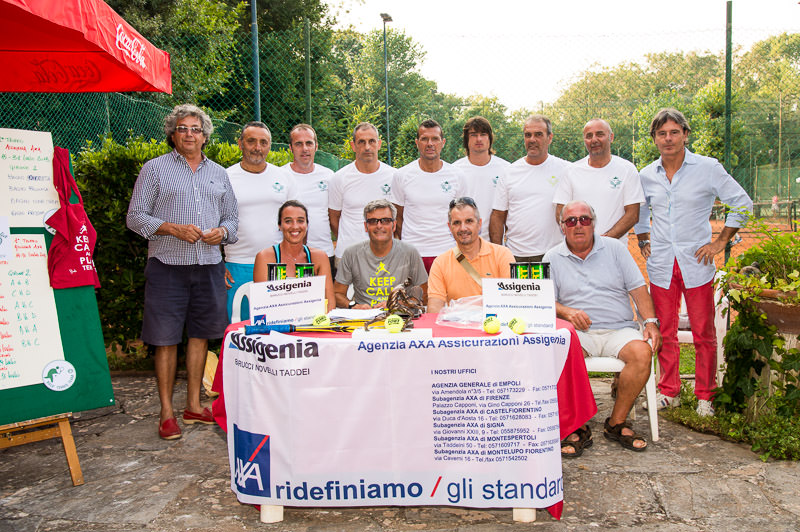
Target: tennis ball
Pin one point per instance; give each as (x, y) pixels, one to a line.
(393, 323)
(491, 325)
(320, 320)
(518, 325)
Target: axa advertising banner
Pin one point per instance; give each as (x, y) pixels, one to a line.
(442, 421)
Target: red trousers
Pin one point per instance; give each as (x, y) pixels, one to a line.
(700, 306)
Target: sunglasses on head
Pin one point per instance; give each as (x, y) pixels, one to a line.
(572, 221)
(464, 200)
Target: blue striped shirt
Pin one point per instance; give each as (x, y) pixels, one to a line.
(680, 210)
(167, 190)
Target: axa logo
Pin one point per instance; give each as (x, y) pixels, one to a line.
(615, 182)
(252, 472)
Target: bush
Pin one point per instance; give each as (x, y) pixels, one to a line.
(105, 173)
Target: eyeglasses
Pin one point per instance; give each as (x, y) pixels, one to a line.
(464, 200)
(375, 221)
(194, 130)
(572, 221)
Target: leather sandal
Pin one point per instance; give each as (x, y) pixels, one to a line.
(614, 433)
(583, 442)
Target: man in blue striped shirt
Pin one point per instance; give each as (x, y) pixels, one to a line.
(680, 189)
(184, 205)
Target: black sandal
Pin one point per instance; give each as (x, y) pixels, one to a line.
(583, 442)
(614, 433)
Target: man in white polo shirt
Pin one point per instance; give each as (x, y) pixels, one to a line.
(312, 182)
(422, 192)
(481, 167)
(610, 183)
(355, 185)
(260, 188)
(523, 199)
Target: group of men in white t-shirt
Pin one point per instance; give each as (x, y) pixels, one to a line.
(521, 200)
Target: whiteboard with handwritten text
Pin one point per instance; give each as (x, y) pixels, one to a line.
(29, 330)
(27, 194)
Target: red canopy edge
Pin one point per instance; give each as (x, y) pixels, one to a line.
(76, 46)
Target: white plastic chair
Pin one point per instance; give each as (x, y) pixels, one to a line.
(615, 365)
(241, 292)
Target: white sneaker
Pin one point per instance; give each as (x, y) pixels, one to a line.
(704, 408)
(664, 401)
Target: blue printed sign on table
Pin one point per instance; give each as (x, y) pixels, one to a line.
(442, 421)
(292, 300)
(531, 299)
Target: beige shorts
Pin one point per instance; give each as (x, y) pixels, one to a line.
(607, 342)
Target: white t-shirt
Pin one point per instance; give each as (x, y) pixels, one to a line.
(259, 197)
(607, 189)
(425, 198)
(349, 191)
(526, 191)
(312, 191)
(480, 183)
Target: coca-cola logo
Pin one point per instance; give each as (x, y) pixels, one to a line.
(75, 75)
(133, 48)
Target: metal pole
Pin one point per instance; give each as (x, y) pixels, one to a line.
(308, 70)
(256, 73)
(728, 65)
(386, 18)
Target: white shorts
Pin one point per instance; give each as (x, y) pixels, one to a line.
(607, 342)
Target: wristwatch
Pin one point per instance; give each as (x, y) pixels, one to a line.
(352, 303)
(653, 320)
(643, 243)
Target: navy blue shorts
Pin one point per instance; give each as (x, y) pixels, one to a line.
(183, 296)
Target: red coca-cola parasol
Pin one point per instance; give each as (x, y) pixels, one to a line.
(76, 46)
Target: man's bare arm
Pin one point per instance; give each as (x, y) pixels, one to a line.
(624, 224)
(497, 225)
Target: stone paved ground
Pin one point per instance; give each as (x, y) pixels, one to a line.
(137, 482)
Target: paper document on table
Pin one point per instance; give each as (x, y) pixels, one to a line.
(355, 313)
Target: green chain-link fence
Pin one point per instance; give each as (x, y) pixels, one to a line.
(335, 79)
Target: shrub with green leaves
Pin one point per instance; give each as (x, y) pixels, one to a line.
(105, 173)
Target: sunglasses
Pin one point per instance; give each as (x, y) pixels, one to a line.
(464, 200)
(375, 221)
(183, 130)
(572, 221)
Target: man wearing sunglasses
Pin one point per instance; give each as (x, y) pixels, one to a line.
(458, 272)
(183, 204)
(594, 278)
(609, 182)
(375, 266)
